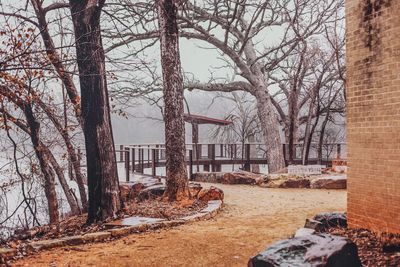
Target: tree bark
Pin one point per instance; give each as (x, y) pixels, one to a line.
(270, 128)
(104, 195)
(265, 110)
(253, 154)
(177, 180)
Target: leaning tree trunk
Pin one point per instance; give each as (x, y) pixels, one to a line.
(73, 159)
(49, 183)
(177, 182)
(104, 195)
(266, 111)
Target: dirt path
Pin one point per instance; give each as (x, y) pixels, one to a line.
(252, 218)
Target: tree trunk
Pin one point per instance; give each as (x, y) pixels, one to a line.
(177, 182)
(63, 182)
(293, 126)
(253, 154)
(49, 184)
(321, 137)
(270, 128)
(265, 110)
(104, 195)
(307, 138)
(73, 160)
(309, 132)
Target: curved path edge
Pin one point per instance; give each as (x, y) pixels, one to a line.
(211, 210)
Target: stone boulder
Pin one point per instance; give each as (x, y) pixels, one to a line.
(314, 225)
(243, 177)
(288, 181)
(211, 194)
(207, 177)
(329, 183)
(331, 219)
(322, 250)
(151, 192)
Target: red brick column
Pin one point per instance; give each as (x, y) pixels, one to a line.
(373, 112)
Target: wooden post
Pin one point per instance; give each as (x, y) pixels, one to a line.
(206, 168)
(133, 159)
(221, 152)
(157, 153)
(197, 156)
(153, 162)
(190, 164)
(338, 151)
(121, 153)
(148, 155)
(247, 164)
(199, 151)
(235, 150)
(142, 160)
(127, 169)
(284, 153)
(213, 157)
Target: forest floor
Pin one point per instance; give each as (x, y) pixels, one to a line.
(251, 219)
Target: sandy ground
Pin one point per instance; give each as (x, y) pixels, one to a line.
(252, 218)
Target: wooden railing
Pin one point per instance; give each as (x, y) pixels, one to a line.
(211, 157)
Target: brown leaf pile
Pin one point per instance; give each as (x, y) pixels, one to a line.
(76, 225)
(374, 250)
(157, 208)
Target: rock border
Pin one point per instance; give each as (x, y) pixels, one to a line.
(211, 210)
(328, 181)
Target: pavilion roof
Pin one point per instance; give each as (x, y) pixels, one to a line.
(192, 118)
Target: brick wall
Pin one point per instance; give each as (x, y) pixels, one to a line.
(373, 113)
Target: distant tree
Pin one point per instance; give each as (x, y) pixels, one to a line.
(104, 195)
(177, 181)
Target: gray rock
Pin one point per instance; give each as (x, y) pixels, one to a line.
(243, 177)
(314, 225)
(288, 181)
(322, 250)
(331, 219)
(207, 177)
(151, 192)
(329, 183)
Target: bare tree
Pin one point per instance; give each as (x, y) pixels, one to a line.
(234, 28)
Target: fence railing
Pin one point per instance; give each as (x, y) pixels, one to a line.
(212, 156)
(149, 158)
